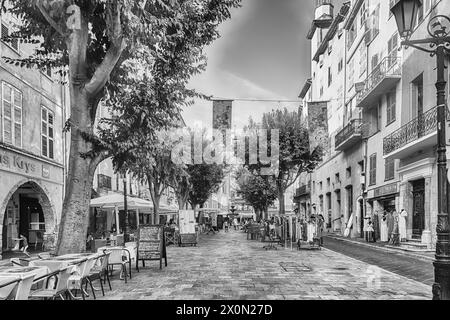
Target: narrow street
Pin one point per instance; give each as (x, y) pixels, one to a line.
(398, 263)
(226, 266)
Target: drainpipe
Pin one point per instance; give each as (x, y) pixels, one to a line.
(64, 140)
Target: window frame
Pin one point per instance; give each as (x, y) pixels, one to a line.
(373, 169)
(388, 175)
(13, 119)
(10, 45)
(391, 108)
(47, 136)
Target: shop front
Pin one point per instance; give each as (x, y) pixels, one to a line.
(382, 200)
(31, 195)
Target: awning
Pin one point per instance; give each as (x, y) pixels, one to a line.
(116, 200)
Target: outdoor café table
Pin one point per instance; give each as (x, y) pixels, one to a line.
(60, 262)
(29, 273)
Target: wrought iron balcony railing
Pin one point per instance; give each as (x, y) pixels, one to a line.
(352, 129)
(421, 126)
(388, 67)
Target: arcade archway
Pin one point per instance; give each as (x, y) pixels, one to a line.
(28, 211)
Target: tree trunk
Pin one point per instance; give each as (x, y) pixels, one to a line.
(156, 209)
(75, 213)
(281, 200)
(266, 213)
(181, 202)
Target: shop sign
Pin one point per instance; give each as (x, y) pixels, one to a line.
(385, 190)
(18, 163)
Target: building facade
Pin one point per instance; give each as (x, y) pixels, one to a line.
(32, 147)
(382, 123)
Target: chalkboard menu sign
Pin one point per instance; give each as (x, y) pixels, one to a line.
(151, 244)
(188, 239)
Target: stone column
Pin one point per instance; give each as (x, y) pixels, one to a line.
(426, 235)
(405, 202)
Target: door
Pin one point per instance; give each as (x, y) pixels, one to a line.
(361, 222)
(418, 207)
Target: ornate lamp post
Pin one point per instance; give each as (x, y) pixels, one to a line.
(405, 12)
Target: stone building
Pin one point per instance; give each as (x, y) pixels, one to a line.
(32, 147)
(382, 123)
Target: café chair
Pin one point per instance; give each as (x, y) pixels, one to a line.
(100, 272)
(80, 278)
(52, 289)
(23, 288)
(7, 286)
(120, 257)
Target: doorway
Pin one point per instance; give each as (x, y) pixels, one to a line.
(418, 207)
(361, 219)
(27, 213)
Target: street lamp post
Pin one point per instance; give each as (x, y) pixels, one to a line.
(405, 12)
(125, 207)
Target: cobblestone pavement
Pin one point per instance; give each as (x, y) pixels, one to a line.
(226, 266)
(404, 265)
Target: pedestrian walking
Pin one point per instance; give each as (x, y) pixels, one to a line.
(225, 226)
(384, 229)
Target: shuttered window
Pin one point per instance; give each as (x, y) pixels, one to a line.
(12, 115)
(391, 108)
(48, 133)
(373, 170)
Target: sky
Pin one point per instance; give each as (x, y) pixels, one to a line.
(263, 54)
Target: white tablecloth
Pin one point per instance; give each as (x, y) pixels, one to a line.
(27, 275)
(6, 291)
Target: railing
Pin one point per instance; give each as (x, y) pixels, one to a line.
(354, 127)
(389, 66)
(420, 127)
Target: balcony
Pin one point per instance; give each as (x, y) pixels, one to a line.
(416, 135)
(349, 136)
(383, 77)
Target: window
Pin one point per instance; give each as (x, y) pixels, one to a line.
(351, 74)
(392, 50)
(352, 34)
(417, 87)
(6, 32)
(373, 170)
(349, 172)
(12, 115)
(328, 182)
(337, 178)
(104, 182)
(362, 60)
(47, 130)
(363, 14)
(330, 77)
(391, 106)
(391, 4)
(340, 65)
(420, 13)
(389, 169)
(320, 186)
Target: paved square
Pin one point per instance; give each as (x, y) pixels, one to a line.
(227, 266)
